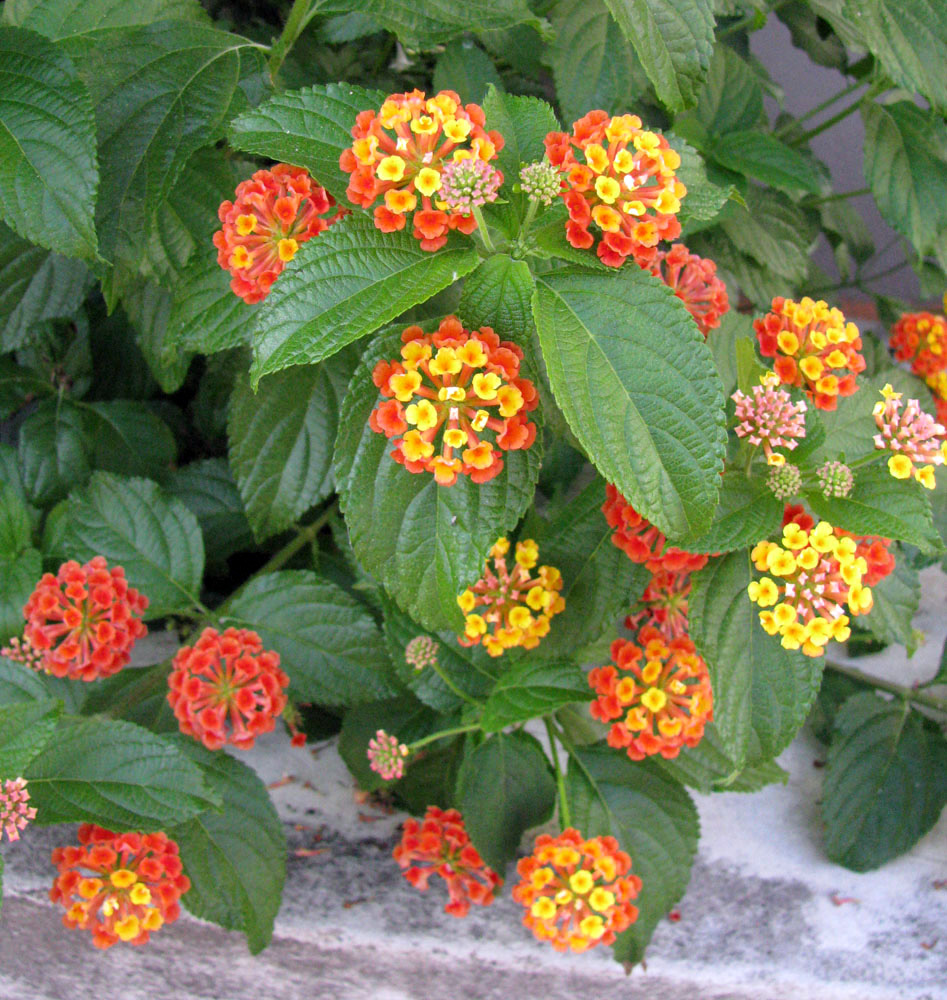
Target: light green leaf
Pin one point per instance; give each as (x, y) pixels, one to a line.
(55, 451)
(747, 513)
(498, 294)
(25, 729)
(531, 689)
(773, 231)
(731, 98)
(762, 156)
(704, 200)
(524, 122)
(467, 70)
(733, 328)
(66, 18)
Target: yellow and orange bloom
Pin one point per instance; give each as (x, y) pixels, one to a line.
(659, 691)
(510, 607)
(921, 338)
(693, 279)
(914, 438)
(578, 893)
(619, 186)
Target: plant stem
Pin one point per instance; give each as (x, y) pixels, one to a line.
(907, 693)
(527, 221)
(844, 92)
(443, 734)
(299, 17)
(565, 817)
(839, 196)
(439, 670)
(482, 229)
(827, 124)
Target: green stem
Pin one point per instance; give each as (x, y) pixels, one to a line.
(565, 817)
(482, 229)
(844, 92)
(443, 734)
(527, 221)
(439, 670)
(839, 196)
(750, 20)
(908, 694)
(827, 124)
(299, 17)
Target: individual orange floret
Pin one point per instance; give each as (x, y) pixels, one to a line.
(815, 349)
(440, 846)
(398, 156)
(577, 892)
(619, 186)
(658, 690)
(641, 541)
(227, 688)
(119, 886)
(84, 620)
(694, 281)
(921, 338)
(511, 607)
(446, 392)
(274, 212)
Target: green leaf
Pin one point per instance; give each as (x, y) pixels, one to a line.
(531, 689)
(704, 200)
(117, 775)
(885, 783)
(765, 158)
(148, 306)
(638, 386)
(524, 122)
(747, 513)
(130, 439)
(54, 451)
(504, 788)
(674, 40)
(762, 692)
(731, 98)
(66, 18)
(654, 821)
(425, 543)
(896, 600)
(734, 328)
(236, 860)
(18, 577)
(773, 231)
(467, 70)
(24, 730)
(48, 173)
(344, 284)
(498, 294)
(19, 684)
(135, 524)
(328, 643)
(15, 527)
(281, 440)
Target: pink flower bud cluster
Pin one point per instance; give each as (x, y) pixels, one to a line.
(386, 755)
(770, 418)
(914, 437)
(14, 811)
(468, 184)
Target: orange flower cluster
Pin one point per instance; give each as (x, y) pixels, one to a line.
(658, 689)
(449, 387)
(626, 187)
(440, 846)
(878, 560)
(577, 892)
(516, 604)
(399, 153)
(274, 212)
(227, 688)
(641, 541)
(694, 281)
(84, 620)
(812, 345)
(921, 338)
(663, 605)
(119, 886)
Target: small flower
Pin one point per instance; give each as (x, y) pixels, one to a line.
(694, 281)
(921, 338)
(84, 620)
(915, 438)
(468, 184)
(227, 688)
(874, 551)
(515, 603)
(119, 886)
(541, 181)
(274, 213)
(421, 652)
(835, 480)
(386, 755)
(785, 481)
(658, 689)
(663, 605)
(14, 811)
(446, 391)
(440, 846)
(23, 651)
(641, 541)
(577, 892)
(770, 418)
(624, 186)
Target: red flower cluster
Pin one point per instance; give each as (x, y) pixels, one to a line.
(641, 541)
(921, 338)
(275, 210)
(449, 387)
(84, 620)
(119, 886)
(227, 688)
(399, 154)
(875, 552)
(440, 846)
(663, 605)
(625, 187)
(694, 281)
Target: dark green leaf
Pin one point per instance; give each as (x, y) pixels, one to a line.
(733, 328)
(773, 231)
(18, 576)
(704, 200)
(15, 528)
(747, 513)
(765, 158)
(65, 18)
(54, 449)
(531, 689)
(467, 70)
(731, 98)
(524, 123)
(148, 306)
(18, 683)
(130, 439)
(24, 730)
(498, 295)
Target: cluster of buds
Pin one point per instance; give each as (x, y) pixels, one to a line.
(400, 155)
(386, 756)
(626, 187)
(119, 886)
(694, 281)
(835, 480)
(578, 893)
(274, 212)
(511, 607)
(770, 418)
(227, 688)
(421, 652)
(468, 184)
(540, 181)
(663, 605)
(440, 845)
(785, 481)
(15, 811)
(447, 389)
(659, 691)
(921, 338)
(813, 576)
(915, 438)
(813, 347)
(23, 651)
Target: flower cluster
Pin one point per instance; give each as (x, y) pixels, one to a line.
(835, 479)
(694, 281)
(938, 386)
(663, 605)
(227, 688)
(440, 846)
(516, 604)
(450, 387)
(400, 153)
(641, 541)
(626, 187)
(468, 184)
(921, 338)
(785, 481)
(770, 418)
(23, 651)
(540, 181)
(878, 558)
(84, 620)
(421, 652)
(119, 886)
(916, 439)
(817, 572)
(274, 212)
(15, 813)
(386, 755)
(813, 346)
(658, 689)
(578, 893)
